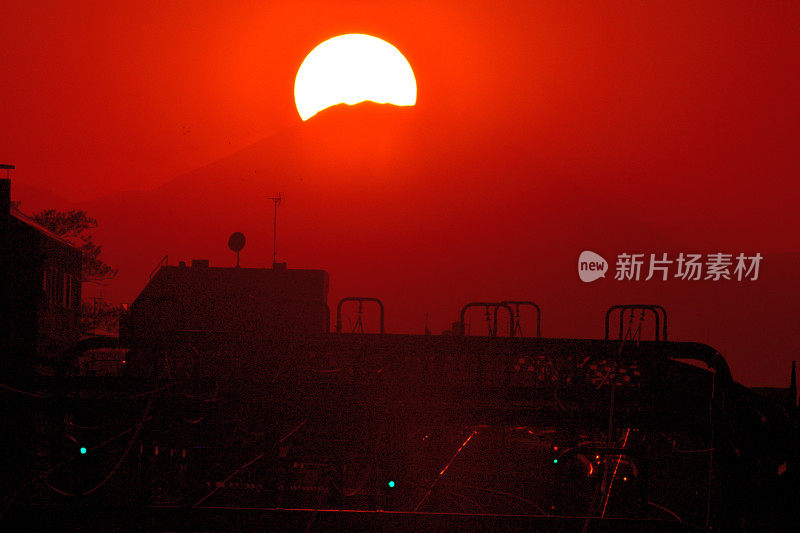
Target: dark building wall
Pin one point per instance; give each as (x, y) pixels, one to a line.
(41, 288)
(205, 299)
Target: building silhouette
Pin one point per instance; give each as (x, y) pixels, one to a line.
(41, 288)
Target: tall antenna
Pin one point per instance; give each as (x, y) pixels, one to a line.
(277, 201)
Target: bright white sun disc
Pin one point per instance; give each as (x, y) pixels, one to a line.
(353, 68)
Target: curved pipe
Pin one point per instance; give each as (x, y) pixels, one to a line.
(523, 302)
(74, 351)
(495, 306)
(659, 312)
(710, 357)
(355, 299)
(87, 344)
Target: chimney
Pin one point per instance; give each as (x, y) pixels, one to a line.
(5, 205)
(5, 197)
(5, 223)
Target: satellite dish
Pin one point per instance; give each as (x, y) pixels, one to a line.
(236, 243)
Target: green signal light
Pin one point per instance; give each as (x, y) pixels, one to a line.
(555, 461)
(83, 450)
(391, 484)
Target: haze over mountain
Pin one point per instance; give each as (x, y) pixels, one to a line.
(428, 211)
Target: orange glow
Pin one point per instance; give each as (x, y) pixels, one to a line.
(458, 452)
(353, 68)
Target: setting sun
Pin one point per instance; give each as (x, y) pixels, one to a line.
(353, 68)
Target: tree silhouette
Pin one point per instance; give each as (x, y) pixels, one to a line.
(75, 226)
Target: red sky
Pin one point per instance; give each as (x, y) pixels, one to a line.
(682, 118)
(102, 97)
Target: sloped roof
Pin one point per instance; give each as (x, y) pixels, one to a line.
(25, 219)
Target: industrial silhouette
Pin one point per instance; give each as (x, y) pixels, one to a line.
(232, 401)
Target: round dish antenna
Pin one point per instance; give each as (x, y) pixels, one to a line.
(236, 242)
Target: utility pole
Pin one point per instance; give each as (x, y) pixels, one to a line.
(276, 200)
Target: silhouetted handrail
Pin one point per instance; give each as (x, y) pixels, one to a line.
(516, 316)
(355, 299)
(164, 259)
(495, 306)
(658, 311)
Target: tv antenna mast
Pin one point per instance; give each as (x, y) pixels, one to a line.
(276, 200)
